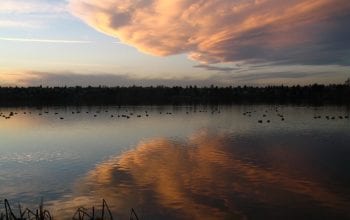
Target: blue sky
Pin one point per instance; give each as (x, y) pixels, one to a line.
(115, 42)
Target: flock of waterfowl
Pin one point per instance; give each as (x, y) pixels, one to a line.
(277, 112)
(264, 115)
(127, 113)
(95, 114)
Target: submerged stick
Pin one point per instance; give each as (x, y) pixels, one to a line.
(133, 213)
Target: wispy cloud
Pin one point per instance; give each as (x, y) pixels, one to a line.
(19, 14)
(216, 68)
(288, 32)
(119, 42)
(32, 6)
(20, 24)
(105, 79)
(263, 77)
(38, 40)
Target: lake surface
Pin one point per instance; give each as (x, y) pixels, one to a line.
(179, 162)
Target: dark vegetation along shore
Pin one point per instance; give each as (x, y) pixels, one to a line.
(160, 95)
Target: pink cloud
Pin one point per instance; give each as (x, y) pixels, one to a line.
(225, 30)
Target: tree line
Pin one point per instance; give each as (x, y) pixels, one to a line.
(162, 95)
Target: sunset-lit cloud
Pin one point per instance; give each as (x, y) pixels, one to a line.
(19, 78)
(235, 41)
(283, 32)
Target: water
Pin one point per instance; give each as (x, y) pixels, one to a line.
(195, 163)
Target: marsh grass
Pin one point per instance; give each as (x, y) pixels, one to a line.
(9, 213)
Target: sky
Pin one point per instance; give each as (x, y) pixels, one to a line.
(178, 42)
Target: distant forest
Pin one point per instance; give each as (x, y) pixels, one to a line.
(161, 95)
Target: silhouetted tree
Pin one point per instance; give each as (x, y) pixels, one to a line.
(347, 82)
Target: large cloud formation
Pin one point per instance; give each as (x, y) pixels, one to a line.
(293, 32)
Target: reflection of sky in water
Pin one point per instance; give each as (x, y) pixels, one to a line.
(197, 165)
(205, 178)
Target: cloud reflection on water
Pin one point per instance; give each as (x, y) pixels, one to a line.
(202, 178)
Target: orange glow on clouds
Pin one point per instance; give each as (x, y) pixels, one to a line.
(19, 78)
(209, 31)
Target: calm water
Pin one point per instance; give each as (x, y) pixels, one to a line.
(195, 163)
